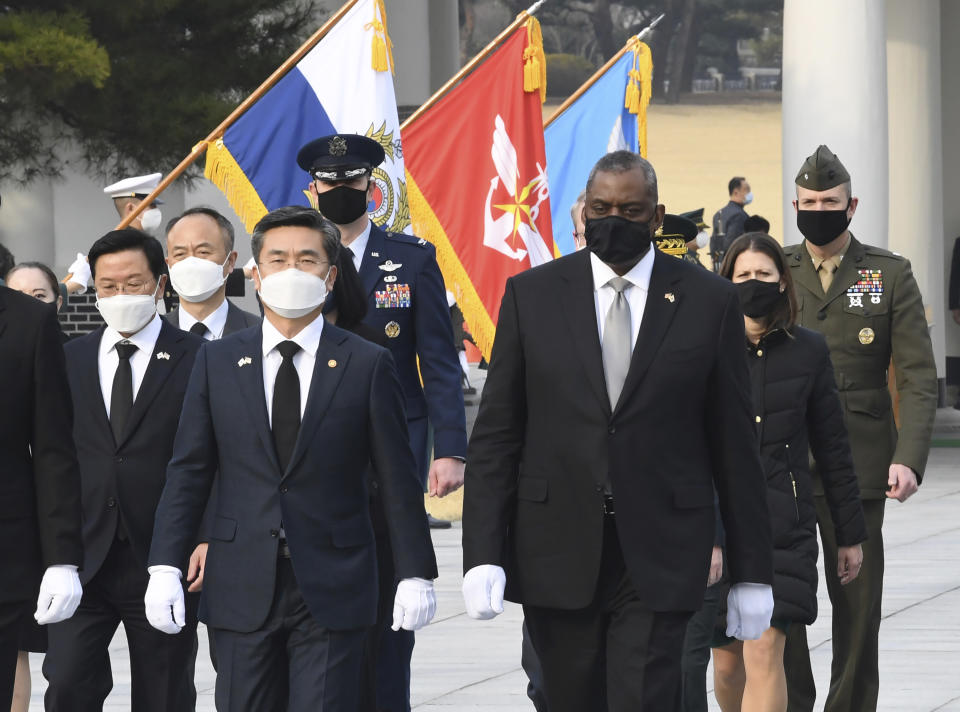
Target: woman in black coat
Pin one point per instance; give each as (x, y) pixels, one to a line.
(797, 411)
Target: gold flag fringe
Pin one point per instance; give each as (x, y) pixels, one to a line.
(224, 172)
(427, 225)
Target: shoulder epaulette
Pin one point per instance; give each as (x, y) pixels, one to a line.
(406, 239)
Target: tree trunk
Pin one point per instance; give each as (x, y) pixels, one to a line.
(660, 46)
(603, 27)
(693, 46)
(679, 53)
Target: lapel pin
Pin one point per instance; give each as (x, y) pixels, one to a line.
(669, 297)
(244, 360)
(163, 355)
(332, 363)
(374, 254)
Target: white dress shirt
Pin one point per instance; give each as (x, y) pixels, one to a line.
(359, 245)
(145, 341)
(635, 293)
(309, 339)
(214, 322)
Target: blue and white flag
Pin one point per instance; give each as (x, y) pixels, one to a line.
(595, 124)
(344, 84)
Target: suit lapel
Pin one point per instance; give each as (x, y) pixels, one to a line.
(658, 313)
(88, 358)
(167, 352)
(369, 266)
(250, 379)
(579, 308)
(234, 320)
(328, 369)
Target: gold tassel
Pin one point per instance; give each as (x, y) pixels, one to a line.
(534, 61)
(382, 48)
(639, 89)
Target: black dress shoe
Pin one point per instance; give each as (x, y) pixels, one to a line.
(437, 523)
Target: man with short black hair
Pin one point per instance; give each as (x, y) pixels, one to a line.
(606, 537)
(291, 578)
(127, 380)
(728, 221)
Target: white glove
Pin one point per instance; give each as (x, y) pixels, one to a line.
(60, 594)
(749, 608)
(80, 271)
(483, 591)
(164, 600)
(414, 604)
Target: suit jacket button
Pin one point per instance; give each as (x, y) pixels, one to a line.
(119, 460)
(599, 488)
(274, 533)
(283, 489)
(111, 502)
(821, 315)
(612, 429)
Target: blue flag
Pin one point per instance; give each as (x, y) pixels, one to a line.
(595, 124)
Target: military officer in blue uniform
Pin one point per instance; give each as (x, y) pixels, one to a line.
(407, 304)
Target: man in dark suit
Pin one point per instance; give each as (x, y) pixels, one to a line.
(283, 421)
(729, 221)
(127, 381)
(39, 480)
(407, 302)
(197, 240)
(573, 503)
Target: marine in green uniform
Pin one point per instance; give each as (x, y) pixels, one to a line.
(866, 303)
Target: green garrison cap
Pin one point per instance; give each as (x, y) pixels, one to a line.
(822, 171)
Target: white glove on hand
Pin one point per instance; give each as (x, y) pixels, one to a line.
(749, 608)
(483, 591)
(80, 271)
(60, 594)
(164, 600)
(414, 604)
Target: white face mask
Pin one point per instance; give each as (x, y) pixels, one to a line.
(150, 219)
(293, 292)
(748, 198)
(195, 279)
(128, 313)
(703, 239)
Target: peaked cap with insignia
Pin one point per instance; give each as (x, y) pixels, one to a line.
(696, 216)
(340, 156)
(134, 187)
(674, 234)
(822, 170)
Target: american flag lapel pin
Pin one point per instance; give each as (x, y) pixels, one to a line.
(244, 360)
(163, 355)
(669, 297)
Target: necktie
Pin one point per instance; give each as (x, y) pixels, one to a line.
(200, 329)
(121, 395)
(616, 341)
(286, 404)
(348, 252)
(825, 272)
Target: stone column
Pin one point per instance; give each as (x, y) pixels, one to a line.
(950, 110)
(835, 92)
(916, 160)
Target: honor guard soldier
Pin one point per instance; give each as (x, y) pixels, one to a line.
(866, 303)
(680, 235)
(407, 303)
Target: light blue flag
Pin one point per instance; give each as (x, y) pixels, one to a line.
(592, 126)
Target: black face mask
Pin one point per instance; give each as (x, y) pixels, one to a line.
(343, 204)
(616, 240)
(759, 298)
(822, 226)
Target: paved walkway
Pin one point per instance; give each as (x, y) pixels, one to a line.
(461, 664)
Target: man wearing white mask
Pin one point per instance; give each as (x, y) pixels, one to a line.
(728, 221)
(201, 257)
(291, 578)
(127, 382)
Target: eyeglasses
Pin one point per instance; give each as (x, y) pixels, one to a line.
(135, 287)
(303, 263)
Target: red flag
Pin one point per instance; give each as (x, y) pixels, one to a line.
(477, 182)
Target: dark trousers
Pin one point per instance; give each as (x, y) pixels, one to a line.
(290, 663)
(696, 651)
(530, 662)
(11, 615)
(385, 678)
(77, 665)
(854, 671)
(615, 654)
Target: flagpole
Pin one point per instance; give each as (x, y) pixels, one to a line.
(600, 72)
(218, 132)
(469, 66)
